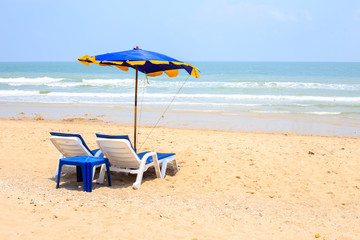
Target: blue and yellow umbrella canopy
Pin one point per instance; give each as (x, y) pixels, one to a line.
(150, 63)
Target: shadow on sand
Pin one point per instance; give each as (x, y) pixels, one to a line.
(68, 179)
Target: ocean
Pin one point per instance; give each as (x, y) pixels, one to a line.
(305, 90)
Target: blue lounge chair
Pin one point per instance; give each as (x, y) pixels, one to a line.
(123, 158)
(71, 145)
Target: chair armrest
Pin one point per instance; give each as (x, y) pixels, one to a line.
(147, 155)
(98, 153)
(155, 161)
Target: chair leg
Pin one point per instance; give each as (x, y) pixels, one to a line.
(163, 169)
(102, 174)
(57, 168)
(175, 165)
(93, 174)
(57, 171)
(79, 176)
(157, 167)
(138, 181)
(84, 173)
(90, 169)
(58, 176)
(108, 173)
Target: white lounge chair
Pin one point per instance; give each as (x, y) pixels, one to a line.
(123, 158)
(72, 145)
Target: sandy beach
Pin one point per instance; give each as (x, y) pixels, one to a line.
(232, 185)
(258, 100)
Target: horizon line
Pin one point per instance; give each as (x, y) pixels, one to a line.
(219, 61)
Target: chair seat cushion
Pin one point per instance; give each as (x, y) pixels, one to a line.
(83, 159)
(159, 156)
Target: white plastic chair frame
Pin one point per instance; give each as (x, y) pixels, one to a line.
(71, 147)
(124, 159)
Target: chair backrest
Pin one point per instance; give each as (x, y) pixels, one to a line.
(119, 152)
(70, 145)
(126, 137)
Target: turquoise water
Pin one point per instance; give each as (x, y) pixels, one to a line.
(306, 89)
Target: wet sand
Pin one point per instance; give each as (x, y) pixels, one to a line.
(177, 118)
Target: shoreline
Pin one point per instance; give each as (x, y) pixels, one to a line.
(174, 118)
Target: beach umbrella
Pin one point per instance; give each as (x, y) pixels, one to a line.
(152, 64)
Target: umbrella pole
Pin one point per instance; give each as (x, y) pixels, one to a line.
(135, 114)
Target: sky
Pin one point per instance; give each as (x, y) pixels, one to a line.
(188, 30)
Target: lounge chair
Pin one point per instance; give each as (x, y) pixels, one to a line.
(71, 145)
(123, 158)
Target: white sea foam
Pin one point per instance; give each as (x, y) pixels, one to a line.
(127, 82)
(323, 113)
(15, 93)
(89, 94)
(65, 84)
(59, 82)
(23, 80)
(310, 85)
(270, 97)
(264, 111)
(261, 85)
(52, 84)
(188, 97)
(104, 82)
(265, 85)
(287, 112)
